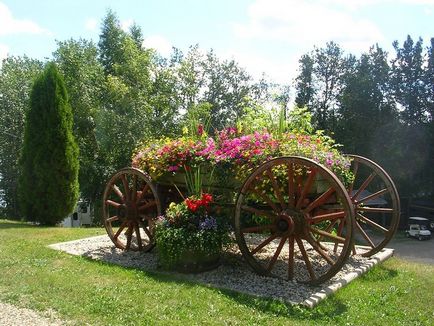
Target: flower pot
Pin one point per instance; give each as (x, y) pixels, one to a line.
(196, 261)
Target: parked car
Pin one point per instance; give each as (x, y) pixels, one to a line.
(418, 227)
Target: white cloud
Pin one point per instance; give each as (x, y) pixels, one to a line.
(91, 24)
(159, 43)
(307, 23)
(126, 24)
(257, 65)
(11, 25)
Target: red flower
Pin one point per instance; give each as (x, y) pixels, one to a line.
(206, 199)
(200, 129)
(192, 205)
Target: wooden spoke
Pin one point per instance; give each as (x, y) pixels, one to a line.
(364, 185)
(264, 243)
(367, 238)
(134, 189)
(372, 223)
(129, 235)
(355, 170)
(306, 259)
(142, 193)
(126, 187)
(118, 193)
(259, 228)
(119, 231)
(306, 188)
(276, 188)
(258, 211)
(291, 187)
(339, 232)
(372, 196)
(375, 209)
(299, 180)
(113, 203)
(327, 217)
(148, 233)
(321, 200)
(316, 246)
(147, 205)
(276, 254)
(112, 219)
(327, 235)
(266, 199)
(291, 257)
(139, 238)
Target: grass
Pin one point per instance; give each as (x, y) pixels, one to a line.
(81, 291)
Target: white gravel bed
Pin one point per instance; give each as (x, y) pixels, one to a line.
(14, 316)
(233, 273)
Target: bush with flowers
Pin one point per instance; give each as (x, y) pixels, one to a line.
(189, 237)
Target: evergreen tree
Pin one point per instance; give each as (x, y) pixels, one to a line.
(304, 85)
(48, 184)
(365, 97)
(110, 42)
(408, 80)
(137, 35)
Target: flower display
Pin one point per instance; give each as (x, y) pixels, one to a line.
(190, 227)
(237, 153)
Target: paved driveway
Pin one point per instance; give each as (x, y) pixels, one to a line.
(413, 249)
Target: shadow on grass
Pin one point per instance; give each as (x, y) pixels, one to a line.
(273, 307)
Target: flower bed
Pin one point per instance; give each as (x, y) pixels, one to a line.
(232, 154)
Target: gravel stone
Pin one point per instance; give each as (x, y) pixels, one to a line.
(233, 273)
(14, 316)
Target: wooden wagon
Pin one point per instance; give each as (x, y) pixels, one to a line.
(293, 218)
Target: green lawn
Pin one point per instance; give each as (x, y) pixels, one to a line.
(82, 291)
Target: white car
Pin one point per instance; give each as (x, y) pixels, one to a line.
(418, 228)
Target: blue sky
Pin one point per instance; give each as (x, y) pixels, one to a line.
(262, 35)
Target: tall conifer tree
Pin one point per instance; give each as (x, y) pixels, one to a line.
(48, 185)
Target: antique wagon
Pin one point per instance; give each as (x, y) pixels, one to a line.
(293, 218)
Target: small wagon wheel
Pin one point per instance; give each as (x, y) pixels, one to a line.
(376, 204)
(130, 205)
(294, 220)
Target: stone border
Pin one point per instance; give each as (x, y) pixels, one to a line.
(316, 298)
(233, 274)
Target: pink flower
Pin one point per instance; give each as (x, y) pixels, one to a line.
(173, 168)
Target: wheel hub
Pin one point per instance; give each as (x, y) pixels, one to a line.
(290, 222)
(128, 211)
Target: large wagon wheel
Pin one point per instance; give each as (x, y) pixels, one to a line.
(294, 220)
(376, 204)
(130, 205)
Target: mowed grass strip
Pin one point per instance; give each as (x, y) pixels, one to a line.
(81, 291)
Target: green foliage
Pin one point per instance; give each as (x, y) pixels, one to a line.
(187, 229)
(48, 183)
(16, 78)
(84, 77)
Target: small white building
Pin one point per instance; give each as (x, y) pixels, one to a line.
(79, 217)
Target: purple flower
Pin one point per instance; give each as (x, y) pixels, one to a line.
(209, 223)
